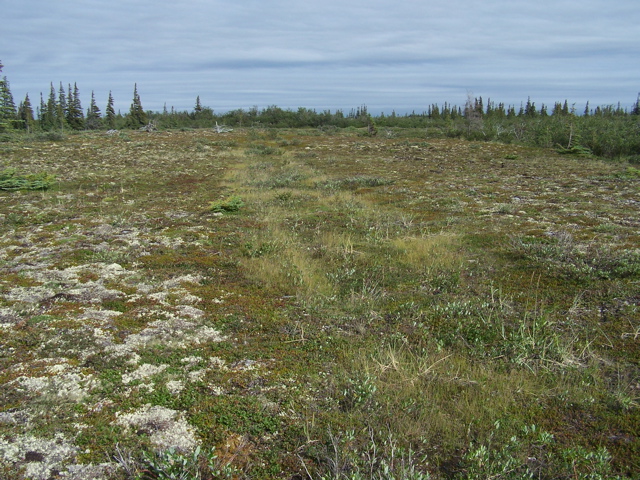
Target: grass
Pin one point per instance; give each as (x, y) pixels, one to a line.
(308, 304)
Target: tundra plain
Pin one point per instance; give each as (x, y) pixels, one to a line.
(274, 303)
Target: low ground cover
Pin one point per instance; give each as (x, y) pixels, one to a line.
(297, 304)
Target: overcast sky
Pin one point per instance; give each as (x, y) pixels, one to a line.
(329, 54)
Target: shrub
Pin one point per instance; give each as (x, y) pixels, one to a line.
(231, 204)
(10, 180)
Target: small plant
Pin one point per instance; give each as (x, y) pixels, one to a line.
(231, 204)
(574, 150)
(512, 461)
(355, 182)
(51, 137)
(174, 465)
(261, 149)
(630, 173)
(11, 181)
(359, 392)
(379, 458)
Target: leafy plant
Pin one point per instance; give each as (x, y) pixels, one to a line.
(10, 180)
(173, 465)
(231, 204)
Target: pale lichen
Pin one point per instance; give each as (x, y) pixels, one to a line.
(166, 428)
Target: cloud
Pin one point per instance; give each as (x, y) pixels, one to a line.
(325, 54)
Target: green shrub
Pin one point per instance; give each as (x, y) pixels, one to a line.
(51, 137)
(231, 204)
(355, 182)
(173, 465)
(261, 149)
(10, 180)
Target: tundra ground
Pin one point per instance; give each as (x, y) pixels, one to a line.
(317, 305)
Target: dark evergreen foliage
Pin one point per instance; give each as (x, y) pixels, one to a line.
(25, 114)
(137, 116)
(110, 114)
(75, 115)
(62, 108)
(94, 120)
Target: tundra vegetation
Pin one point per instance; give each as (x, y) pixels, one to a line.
(323, 302)
(316, 303)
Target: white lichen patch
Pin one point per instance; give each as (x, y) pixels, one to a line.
(145, 370)
(191, 360)
(196, 375)
(175, 332)
(218, 363)
(189, 311)
(39, 457)
(66, 386)
(65, 284)
(175, 386)
(35, 294)
(178, 281)
(101, 315)
(166, 428)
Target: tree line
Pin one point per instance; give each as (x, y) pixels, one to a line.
(604, 130)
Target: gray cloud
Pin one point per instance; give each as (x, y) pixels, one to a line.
(331, 54)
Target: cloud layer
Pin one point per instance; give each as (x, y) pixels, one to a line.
(325, 55)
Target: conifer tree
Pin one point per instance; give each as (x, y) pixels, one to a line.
(636, 107)
(94, 120)
(49, 111)
(25, 114)
(75, 115)
(530, 108)
(7, 105)
(62, 108)
(110, 113)
(543, 111)
(41, 110)
(137, 116)
(479, 106)
(490, 107)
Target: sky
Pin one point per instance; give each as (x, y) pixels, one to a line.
(390, 55)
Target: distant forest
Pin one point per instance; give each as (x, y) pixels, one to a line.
(608, 131)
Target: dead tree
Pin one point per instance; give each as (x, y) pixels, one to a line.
(222, 128)
(149, 127)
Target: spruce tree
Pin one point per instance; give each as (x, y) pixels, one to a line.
(62, 109)
(75, 115)
(479, 106)
(25, 114)
(110, 114)
(137, 117)
(636, 107)
(543, 111)
(49, 111)
(530, 108)
(7, 105)
(94, 120)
